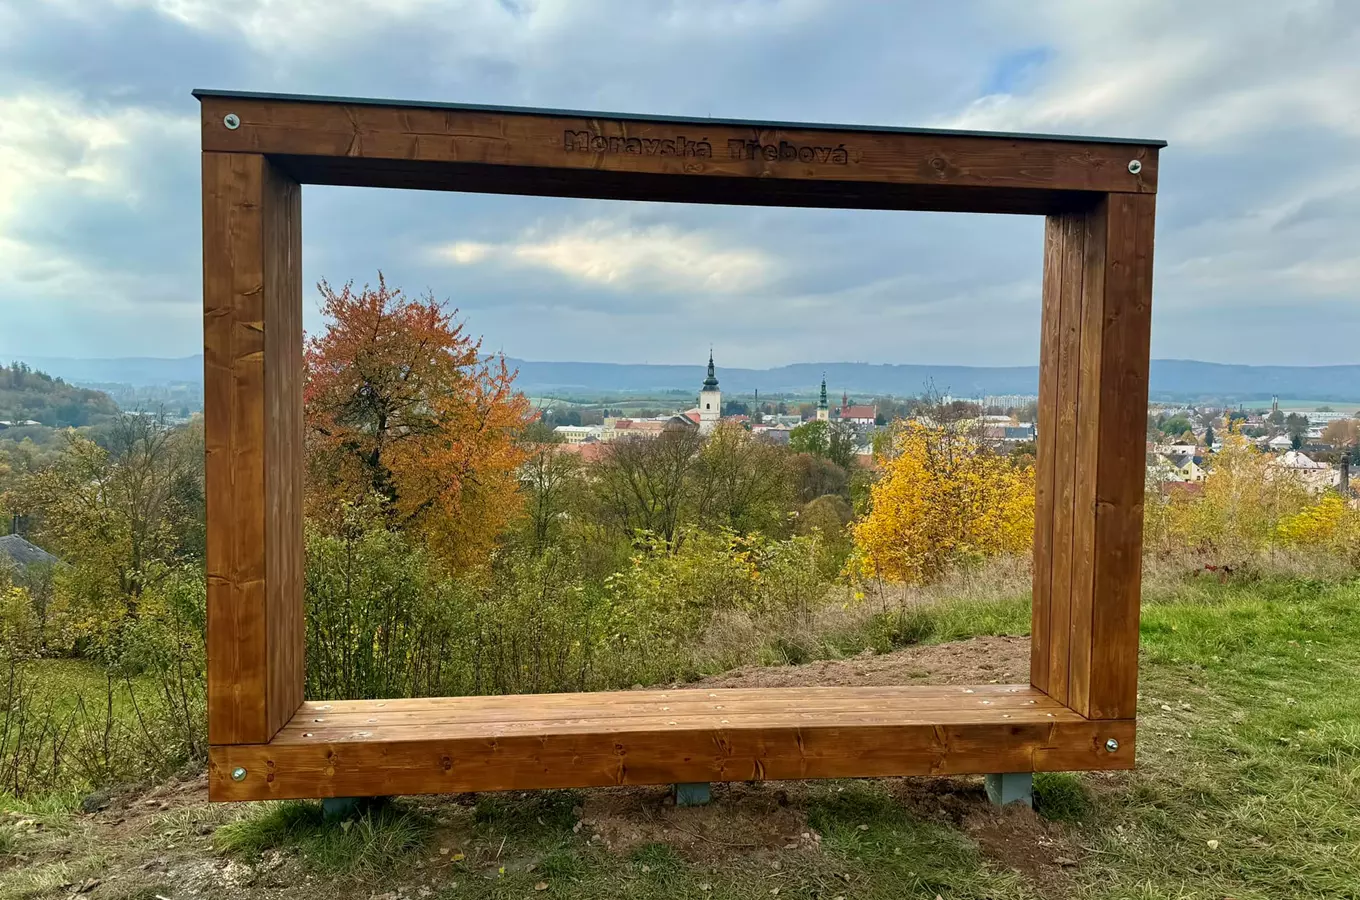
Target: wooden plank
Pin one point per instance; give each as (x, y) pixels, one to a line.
(1084, 550)
(757, 750)
(372, 138)
(251, 270)
(1125, 350)
(1065, 422)
(1045, 450)
(943, 694)
(724, 703)
(233, 421)
(416, 730)
(283, 374)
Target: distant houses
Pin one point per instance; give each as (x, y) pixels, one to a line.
(863, 420)
(1313, 449)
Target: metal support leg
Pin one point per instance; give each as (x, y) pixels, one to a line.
(1011, 787)
(696, 794)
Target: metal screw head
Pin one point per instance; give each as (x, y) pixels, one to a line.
(233, 122)
(238, 774)
(1112, 745)
(1135, 165)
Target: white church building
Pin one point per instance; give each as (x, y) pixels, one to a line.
(710, 401)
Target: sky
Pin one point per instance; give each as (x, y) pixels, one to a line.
(1258, 243)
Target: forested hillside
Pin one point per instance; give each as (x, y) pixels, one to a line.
(29, 395)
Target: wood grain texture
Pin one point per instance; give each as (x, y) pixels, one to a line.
(283, 377)
(1125, 349)
(529, 742)
(384, 145)
(1062, 553)
(1089, 519)
(1092, 404)
(1046, 421)
(251, 281)
(1089, 247)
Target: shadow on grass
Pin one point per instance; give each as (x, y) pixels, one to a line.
(1061, 797)
(862, 823)
(370, 841)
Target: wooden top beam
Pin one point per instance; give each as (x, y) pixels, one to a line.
(441, 146)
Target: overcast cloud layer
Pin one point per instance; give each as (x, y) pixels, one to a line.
(1258, 253)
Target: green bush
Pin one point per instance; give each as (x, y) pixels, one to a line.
(379, 621)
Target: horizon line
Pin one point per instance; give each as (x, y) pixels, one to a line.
(6, 359)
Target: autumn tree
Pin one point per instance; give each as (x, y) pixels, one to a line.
(943, 496)
(829, 440)
(121, 514)
(644, 484)
(401, 405)
(742, 482)
(1342, 434)
(1176, 426)
(548, 478)
(1296, 426)
(815, 476)
(1236, 512)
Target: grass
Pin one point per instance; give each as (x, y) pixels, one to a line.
(369, 842)
(1249, 780)
(1062, 797)
(1248, 787)
(61, 681)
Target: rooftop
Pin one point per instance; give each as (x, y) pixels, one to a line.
(24, 552)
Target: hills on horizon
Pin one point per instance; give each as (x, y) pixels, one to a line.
(1171, 379)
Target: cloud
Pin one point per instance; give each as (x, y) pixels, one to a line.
(1202, 73)
(1258, 210)
(659, 258)
(56, 152)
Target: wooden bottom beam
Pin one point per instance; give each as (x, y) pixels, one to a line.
(452, 745)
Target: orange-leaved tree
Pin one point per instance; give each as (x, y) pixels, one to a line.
(401, 407)
(943, 497)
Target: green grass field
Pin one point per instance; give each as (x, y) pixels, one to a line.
(1247, 787)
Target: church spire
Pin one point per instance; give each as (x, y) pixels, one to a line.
(711, 382)
(821, 403)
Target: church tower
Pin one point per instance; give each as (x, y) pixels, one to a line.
(823, 411)
(710, 401)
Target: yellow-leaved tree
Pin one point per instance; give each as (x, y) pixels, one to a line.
(1329, 523)
(944, 496)
(1234, 515)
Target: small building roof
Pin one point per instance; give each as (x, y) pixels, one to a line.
(589, 451)
(858, 412)
(24, 552)
(1296, 460)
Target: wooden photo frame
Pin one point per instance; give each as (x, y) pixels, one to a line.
(1077, 712)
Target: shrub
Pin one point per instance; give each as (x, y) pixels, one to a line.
(379, 621)
(944, 497)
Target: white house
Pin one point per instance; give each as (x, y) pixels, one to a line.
(575, 434)
(1313, 474)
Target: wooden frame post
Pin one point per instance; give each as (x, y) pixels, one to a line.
(252, 343)
(1098, 195)
(1093, 371)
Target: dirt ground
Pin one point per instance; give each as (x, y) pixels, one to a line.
(982, 660)
(158, 842)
